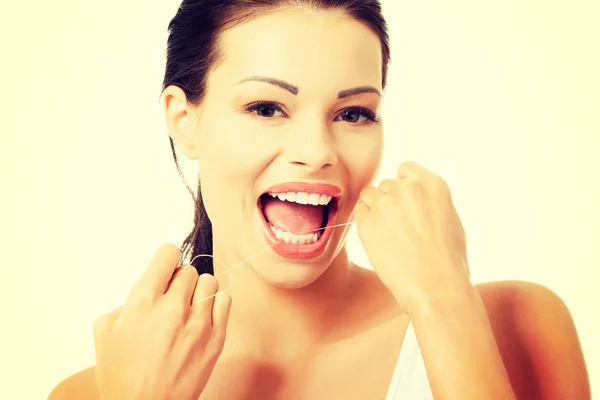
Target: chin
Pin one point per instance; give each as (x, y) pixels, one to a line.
(286, 273)
(289, 275)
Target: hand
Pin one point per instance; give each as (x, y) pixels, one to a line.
(160, 345)
(413, 237)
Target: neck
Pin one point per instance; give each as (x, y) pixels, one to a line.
(281, 321)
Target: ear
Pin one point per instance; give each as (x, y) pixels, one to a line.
(178, 119)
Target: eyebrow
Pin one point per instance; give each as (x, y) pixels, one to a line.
(294, 89)
(277, 82)
(358, 90)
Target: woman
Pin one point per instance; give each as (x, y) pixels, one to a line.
(279, 103)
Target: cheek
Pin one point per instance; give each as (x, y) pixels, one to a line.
(363, 159)
(230, 141)
(231, 159)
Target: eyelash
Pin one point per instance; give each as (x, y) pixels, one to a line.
(368, 114)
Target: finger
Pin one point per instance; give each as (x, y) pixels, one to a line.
(411, 169)
(183, 283)
(206, 286)
(360, 212)
(390, 186)
(220, 313)
(154, 281)
(407, 169)
(370, 195)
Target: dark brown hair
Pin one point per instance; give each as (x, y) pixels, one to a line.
(193, 50)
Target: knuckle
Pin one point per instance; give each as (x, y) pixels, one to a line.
(386, 183)
(407, 165)
(412, 183)
(169, 248)
(99, 325)
(142, 300)
(411, 168)
(385, 201)
(174, 310)
(440, 182)
(105, 322)
(442, 188)
(389, 186)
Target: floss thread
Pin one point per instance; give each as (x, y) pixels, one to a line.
(228, 270)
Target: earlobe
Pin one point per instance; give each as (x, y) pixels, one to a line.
(177, 118)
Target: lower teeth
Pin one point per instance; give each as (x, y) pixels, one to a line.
(290, 238)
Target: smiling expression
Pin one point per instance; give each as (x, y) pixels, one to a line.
(296, 98)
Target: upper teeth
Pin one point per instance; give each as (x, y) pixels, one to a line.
(303, 198)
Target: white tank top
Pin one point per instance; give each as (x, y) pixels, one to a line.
(409, 381)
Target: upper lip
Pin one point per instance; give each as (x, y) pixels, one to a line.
(307, 187)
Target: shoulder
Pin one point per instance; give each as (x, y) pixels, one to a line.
(536, 336)
(81, 385)
(529, 294)
(525, 305)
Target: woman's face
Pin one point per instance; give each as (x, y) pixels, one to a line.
(280, 109)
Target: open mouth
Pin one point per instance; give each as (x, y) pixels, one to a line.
(296, 223)
(299, 223)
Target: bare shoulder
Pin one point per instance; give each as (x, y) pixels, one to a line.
(537, 338)
(81, 385)
(526, 305)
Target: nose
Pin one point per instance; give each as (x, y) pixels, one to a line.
(311, 146)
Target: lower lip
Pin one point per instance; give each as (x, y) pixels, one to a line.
(304, 251)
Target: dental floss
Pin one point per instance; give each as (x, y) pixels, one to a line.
(227, 270)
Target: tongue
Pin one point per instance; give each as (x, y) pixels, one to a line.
(297, 218)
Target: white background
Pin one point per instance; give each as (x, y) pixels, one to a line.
(499, 98)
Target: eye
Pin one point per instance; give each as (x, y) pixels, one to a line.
(357, 115)
(264, 109)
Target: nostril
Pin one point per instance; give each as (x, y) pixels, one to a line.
(313, 167)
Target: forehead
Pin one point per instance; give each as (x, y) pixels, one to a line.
(310, 49)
